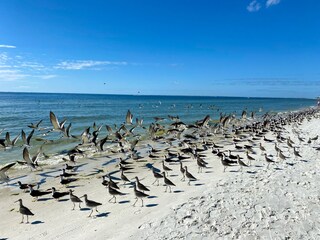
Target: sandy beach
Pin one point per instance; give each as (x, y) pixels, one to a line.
(279, 202)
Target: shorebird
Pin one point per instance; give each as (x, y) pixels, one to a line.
(74, 199)
(167, 182)
(56, 195)
(282, 157)
(296, 153)
(91, 204)
(157, 176)
(189, 175)
(114, 192)
(65, 174)
(31, 162)
(124, 178)
(262, 148)
(24, 211)
(182, 170)
(139, 194)
(250, 158)
(129, 118)
(66, 181)
(165, 168)
(3, 176)
(140, 186)
(241, 163)
(225, 162)
(26, 140)
(35, 126)
(201, 164)
(36, 193)
(24, 186)
(269, 160)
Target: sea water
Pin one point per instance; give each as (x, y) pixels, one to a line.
(18, 110)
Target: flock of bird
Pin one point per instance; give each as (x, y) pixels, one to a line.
(237, 142)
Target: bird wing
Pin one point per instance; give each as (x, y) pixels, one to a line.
(6, 167)
(26, 155)
(30, 136)
(54, 121)
(129, 117)
(15, 140)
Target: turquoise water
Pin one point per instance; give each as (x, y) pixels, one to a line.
(17, 110)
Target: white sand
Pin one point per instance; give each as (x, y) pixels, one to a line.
(263, 204)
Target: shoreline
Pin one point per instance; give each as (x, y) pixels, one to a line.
(121, 220)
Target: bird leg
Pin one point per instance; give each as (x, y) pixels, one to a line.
(166, 188)
(141, 202)
(135, 202)
(90, 213)
(73, 206)
(183, 178)
(79, 206)
(97, 210)
(111, 198)
(22, 218)
(27, 219)
(170, 188)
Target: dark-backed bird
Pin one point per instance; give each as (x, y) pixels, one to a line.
(56, 194)
(241, 163)
(3, 176)
(37, 193)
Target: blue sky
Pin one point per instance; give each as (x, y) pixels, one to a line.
(266, 48)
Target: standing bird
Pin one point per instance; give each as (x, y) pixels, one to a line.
(139, 194)
(74, 199)
(56, 195)
(241, 163)
(91, 204)
(189, 175)
(140, 186)
(296, 153)
(124, 178)
(262, 148)
(114, 192)
(165, 168)
(157, 176)
(24, 211)
(36, 193)
(182, 170)
(269, 160)
(167, 182)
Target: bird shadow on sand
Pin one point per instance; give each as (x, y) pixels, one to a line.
(85, 209)
(303, 160)
(74, 186)
(109, 162)
(198, 184)
(4, 238)
(124, 202)
(37, 222)
(252, 172)
(150, 197)
(105, 214)
(277, 168)
(208, 172)
(152, 205)
(173, 175)
(177, 191)
(291, 164)
(63, 200)
(44, 199)
(233, 171)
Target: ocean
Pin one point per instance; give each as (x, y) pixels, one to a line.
(18, 110)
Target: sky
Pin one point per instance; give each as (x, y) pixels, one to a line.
(250, 48)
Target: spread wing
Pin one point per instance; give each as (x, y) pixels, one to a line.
(54, 121)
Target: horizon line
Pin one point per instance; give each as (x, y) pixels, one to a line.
(159, 95)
